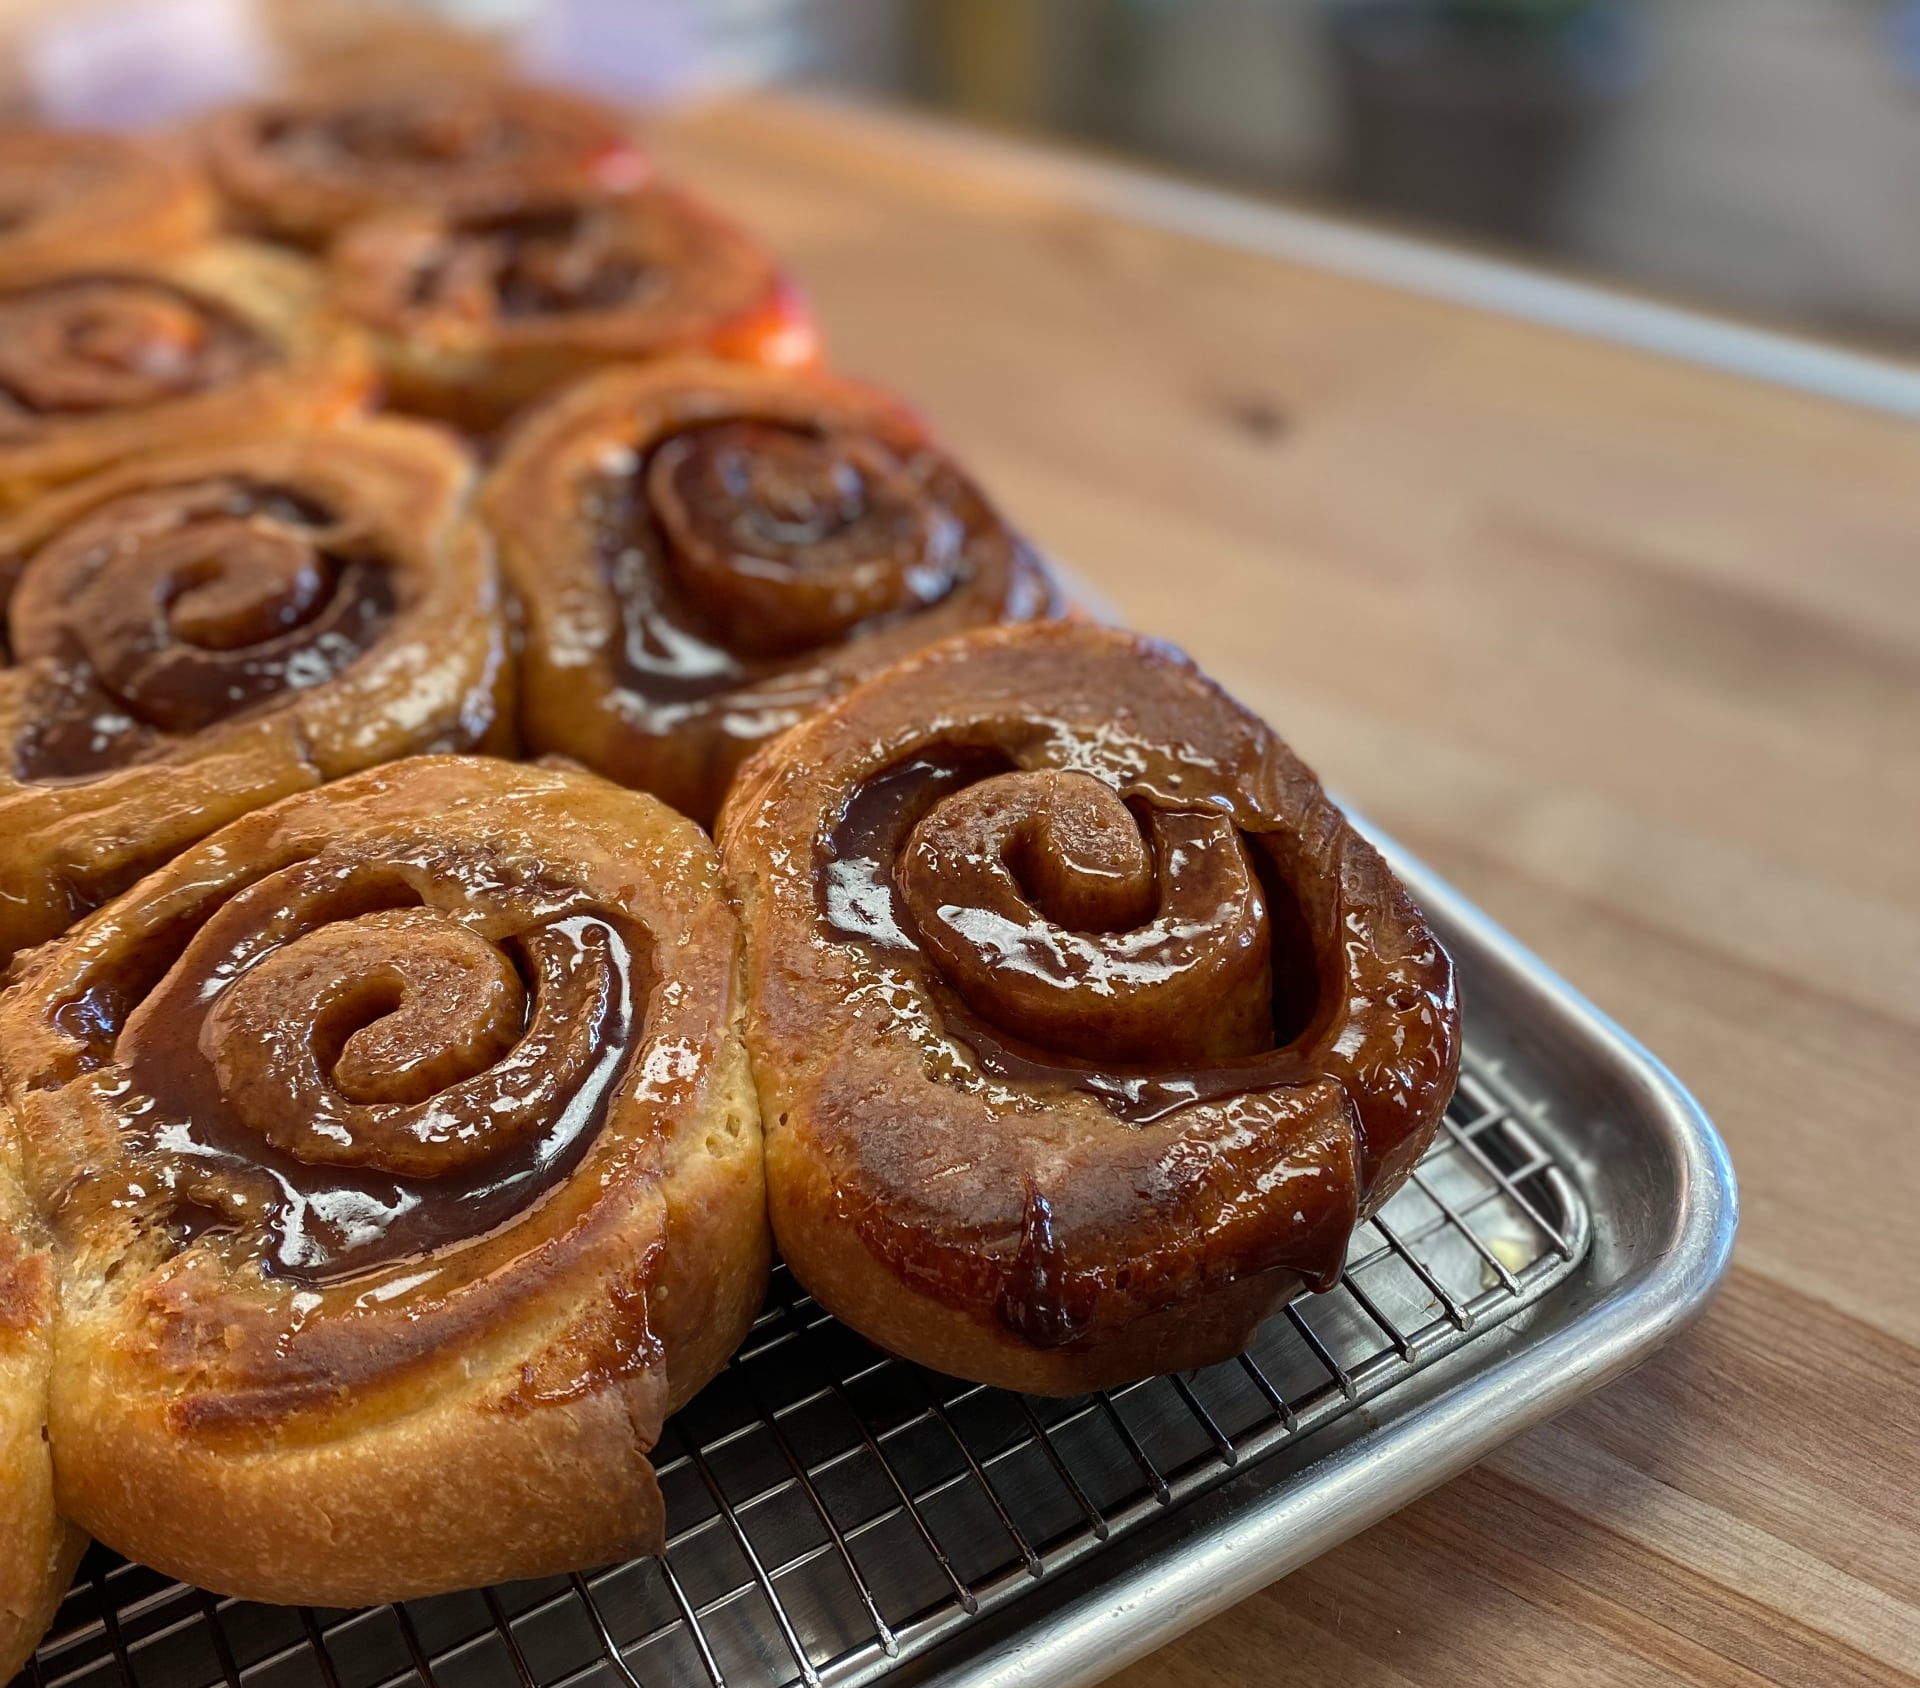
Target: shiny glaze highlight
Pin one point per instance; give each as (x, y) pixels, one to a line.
(167, 611)
(250, 1115)
(708, 552)
(1085, 1005)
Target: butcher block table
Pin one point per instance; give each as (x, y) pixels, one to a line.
(1613, 615)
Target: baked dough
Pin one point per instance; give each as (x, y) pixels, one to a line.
(70, 201)
(403, 1170)
(475, 316)
(300, 169)
(1086, 1027)
(704, 552)
(196, 633)
(37, 1550)
(109, 360)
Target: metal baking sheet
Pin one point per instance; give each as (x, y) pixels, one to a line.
(840, 1517)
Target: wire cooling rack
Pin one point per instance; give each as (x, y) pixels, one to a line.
(834, 1512)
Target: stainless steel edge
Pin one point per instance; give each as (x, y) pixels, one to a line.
(1607, 311)
(1222, 1547)
(1235, 1546)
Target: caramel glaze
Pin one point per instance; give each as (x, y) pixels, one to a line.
(479, 149)
(736, 548)
(477, 315)
(752, 542)
(1087, 1003)
(385, 1086)
(535, 263)
(869, 894)
(737, 551)
(164, 612)
(865, 899)
(90, 343)
(636, 275)
(344, 1075)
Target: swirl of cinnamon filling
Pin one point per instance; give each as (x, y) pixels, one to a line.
(226, 340)
(197, 633)
(302, 168)
(112, 343)
(707, 552)
(1087, 1027)
(173, 609)
(1051, 907)
(474, 316)
(399, 1142)
(362, 1042)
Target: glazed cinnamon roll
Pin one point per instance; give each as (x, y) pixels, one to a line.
(1086, 1027)
(37, 1551)
(77, 201)
(226, 340)
(704, 552)
(197, 633)
(301, 169)
(473, 316)
(403, 1166)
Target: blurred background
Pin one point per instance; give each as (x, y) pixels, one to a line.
(1758, 157)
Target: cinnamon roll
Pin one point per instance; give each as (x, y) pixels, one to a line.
(403, 1167)
(37, 1551)
(704, 552)
(73, 201)
(225, 340)
(1086, 1027)
(300, 169)
(474, 315)
(196, 633)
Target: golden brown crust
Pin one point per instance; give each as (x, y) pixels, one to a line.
(340, 609)
(300, 169)
(429, 1345)
(1085, 1026)
(71, 201)
(762, 539)
(473, 318)
(36, 1557)
(225, 341)
(21, 1632)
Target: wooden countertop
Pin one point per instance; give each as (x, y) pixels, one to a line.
(1626, 648)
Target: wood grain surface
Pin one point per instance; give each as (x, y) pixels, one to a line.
(1628, 650)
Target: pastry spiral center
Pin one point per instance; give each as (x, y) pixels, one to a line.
(1066, 919)
(372, 1058)
(114, 343)
(534, 264)
(188, 605)
(227, 584)
(787, 538)
(404, 1041)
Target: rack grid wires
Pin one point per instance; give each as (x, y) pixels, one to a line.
(833, 1511)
